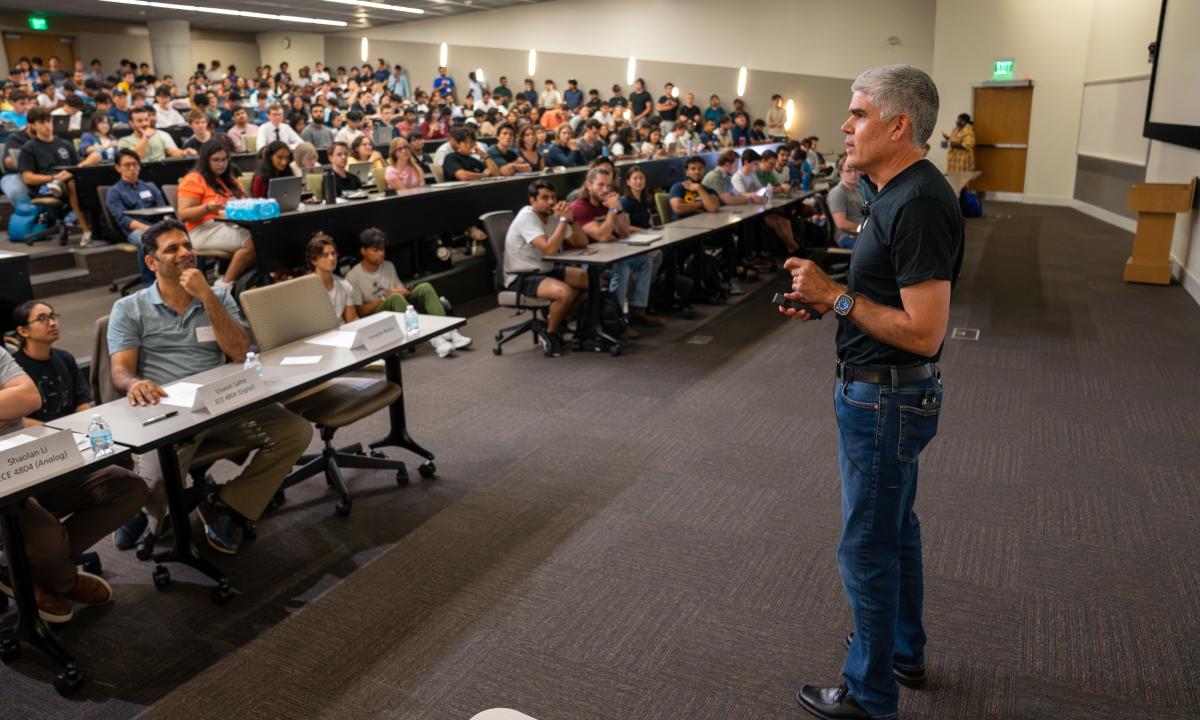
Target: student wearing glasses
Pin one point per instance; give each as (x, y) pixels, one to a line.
(43, 383)
(203, 193)
(403, 171)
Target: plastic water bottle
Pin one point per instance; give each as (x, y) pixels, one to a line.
(412, 323)
(100, 436)
(252, 361)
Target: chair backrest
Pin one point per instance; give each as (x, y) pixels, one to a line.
(313, 180)
(100, 370)
(109, 221)
(251, 143)
(171, 194)
(495, 224)
(288, 311)
(246, 180)
(662, 201)
(830, 228)
(380, 175)
(438, 173)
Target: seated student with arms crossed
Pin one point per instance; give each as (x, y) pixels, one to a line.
(180, 326)
(51, 388)
(377, 287)
(468, 161)
(541, 228)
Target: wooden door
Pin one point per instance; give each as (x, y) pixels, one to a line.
(1001, 116)
(43, 45)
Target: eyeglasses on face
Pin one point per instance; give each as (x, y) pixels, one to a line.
(44, 318)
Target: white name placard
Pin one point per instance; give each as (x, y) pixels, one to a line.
(37, 458)
(374, 336)
(230, 392)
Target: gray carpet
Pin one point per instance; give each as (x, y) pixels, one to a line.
(653, 536)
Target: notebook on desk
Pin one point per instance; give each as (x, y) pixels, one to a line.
(643, 238)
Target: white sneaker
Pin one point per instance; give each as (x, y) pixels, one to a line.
(220, 284)
(458, 340)
(85, 240)
(441, 346)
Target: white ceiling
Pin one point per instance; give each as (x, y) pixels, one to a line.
(356, 17)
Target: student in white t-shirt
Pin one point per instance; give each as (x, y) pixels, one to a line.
(322, 257)
(542, 228)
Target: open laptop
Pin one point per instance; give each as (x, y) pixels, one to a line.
(62, 124)
(286, 191)
(363, 171)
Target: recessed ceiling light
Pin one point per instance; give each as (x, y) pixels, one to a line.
(227, 11)
(379, 6)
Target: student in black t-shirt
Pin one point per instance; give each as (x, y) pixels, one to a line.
(93, 506)
(668, 107)
(39, 158)
(339, 162)
(468, 161)
(892, 316)
(640, 101)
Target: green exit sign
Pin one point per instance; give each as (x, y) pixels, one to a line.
(38, 23)
(1002, 69)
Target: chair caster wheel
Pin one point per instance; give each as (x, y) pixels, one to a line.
(614, 350)
(68, 682)
(497, 350)
(278, 499)
(10, 649)
(145, 549)
(221, 594)
(378, 454)
(93, 565)
(162, 577)
(342, 508)
(427, 469)
(499, 336)
(249, 531)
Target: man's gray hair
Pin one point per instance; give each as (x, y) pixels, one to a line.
(902, 89)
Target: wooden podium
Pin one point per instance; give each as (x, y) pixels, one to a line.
(1156, 205)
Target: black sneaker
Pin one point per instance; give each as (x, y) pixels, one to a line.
(552, 344)
(126, 536)
(222, 527)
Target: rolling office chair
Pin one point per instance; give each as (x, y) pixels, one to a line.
(209, 452)
(294, 309)
(125, 284)
(495, 225)
(28, 214)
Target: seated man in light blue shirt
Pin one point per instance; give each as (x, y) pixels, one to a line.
(180, 326)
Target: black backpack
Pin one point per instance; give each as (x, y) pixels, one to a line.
(612, 320)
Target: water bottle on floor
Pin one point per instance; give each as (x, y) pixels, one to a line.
(100, 436)
(412, 323)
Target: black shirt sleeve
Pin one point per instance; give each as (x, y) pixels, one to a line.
(925, 242)
(81, 391)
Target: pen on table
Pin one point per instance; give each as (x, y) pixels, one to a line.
(158, 418)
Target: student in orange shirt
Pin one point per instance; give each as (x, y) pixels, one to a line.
(203, 193)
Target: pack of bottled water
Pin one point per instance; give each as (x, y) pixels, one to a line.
(252, 209)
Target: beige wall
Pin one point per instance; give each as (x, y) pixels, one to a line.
(820, 101)
(808, 37)
(230, 48)
(303, 49)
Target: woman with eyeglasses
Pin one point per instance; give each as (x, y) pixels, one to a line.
(403, 171)
(95, 505)
(98, 140)
(203, 193)
(362, 150)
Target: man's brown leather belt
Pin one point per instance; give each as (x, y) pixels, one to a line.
(884, 374)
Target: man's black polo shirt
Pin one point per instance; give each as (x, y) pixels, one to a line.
(914, 233)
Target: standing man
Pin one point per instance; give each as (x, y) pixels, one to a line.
(668, 108)
(777, 118)
(640, 102)
(892, 320)
(573, 96)
(501, 93)
(443, 85)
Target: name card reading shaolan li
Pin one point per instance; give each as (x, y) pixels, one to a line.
(26, 460)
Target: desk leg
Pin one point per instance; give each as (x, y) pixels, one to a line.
(398, 425)
(596, 339)
(30, 628)
(183, 550)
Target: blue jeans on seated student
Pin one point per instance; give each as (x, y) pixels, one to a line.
(135, 237)
(881, 431)
(14, 188)
(639, 269)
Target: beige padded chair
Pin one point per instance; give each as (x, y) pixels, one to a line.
(246, 180)
(288, 311)
(251, 143)
(380, 174)
(313, 180)
(662, 202)
(438, 173)
(495, 224)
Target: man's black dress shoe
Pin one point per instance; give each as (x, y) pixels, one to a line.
(832, 703)
(910, 676)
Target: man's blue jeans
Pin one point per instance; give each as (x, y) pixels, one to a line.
(639, 268)
(881, 431)
(135, 237)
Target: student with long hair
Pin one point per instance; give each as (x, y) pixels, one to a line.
(275, 162)
(403, 171)
(203, 193)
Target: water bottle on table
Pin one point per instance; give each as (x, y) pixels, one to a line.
(252, 361)
(412, 323)
(100, 436)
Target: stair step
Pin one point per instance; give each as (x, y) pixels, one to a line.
(44, 262)
(38, 280)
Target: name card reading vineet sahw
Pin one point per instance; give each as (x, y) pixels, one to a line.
(231, 392)
(25, 460)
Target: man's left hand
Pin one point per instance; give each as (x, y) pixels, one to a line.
(194, 282)
(811, 284)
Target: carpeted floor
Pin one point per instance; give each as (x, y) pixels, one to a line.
(652, 536)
